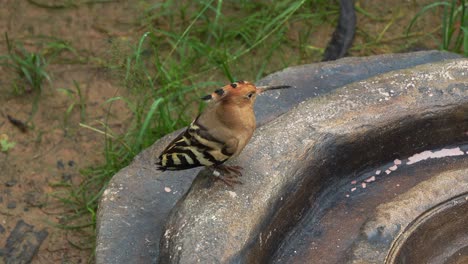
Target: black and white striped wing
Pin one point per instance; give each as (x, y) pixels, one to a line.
(193, 148)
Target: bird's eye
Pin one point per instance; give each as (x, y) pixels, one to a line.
(250, 95)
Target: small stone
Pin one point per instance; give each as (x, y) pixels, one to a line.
(393, 168)
(353, 182)
(23, 242)
(363, 185)
(33, 199)
(11, 205)
(388, 171)
(11, 183)
(66, 177)
(353, 189)
(60, 165)
(377, 172)
(397, 162)
(371, 179)
(167, 189)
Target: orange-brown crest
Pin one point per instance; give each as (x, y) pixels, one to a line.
(240, 89)
(236, 89)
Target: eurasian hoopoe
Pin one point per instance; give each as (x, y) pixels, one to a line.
(219, 133)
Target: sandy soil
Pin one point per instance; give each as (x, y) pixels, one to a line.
(53, 152)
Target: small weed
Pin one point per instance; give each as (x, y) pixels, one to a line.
(55, 47)
(30, 67)
(5, 143)
(78, 100)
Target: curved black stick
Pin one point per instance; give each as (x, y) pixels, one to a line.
(344, 33)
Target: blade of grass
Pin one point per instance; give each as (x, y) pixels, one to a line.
(422, 11)
(187, 30)
(465, 40)
(148, 119)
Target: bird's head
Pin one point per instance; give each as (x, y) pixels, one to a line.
(240, 93)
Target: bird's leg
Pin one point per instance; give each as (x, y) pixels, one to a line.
(234, 170)
(227, 174)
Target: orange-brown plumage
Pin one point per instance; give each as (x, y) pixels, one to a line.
(219, 133)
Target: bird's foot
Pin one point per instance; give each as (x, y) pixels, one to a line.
(228, 174)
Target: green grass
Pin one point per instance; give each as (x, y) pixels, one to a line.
(454, 24)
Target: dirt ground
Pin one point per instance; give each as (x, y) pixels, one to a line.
(53, 151)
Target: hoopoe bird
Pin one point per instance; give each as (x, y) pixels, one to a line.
(217, 134)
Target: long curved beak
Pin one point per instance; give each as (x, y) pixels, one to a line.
(261, 89)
